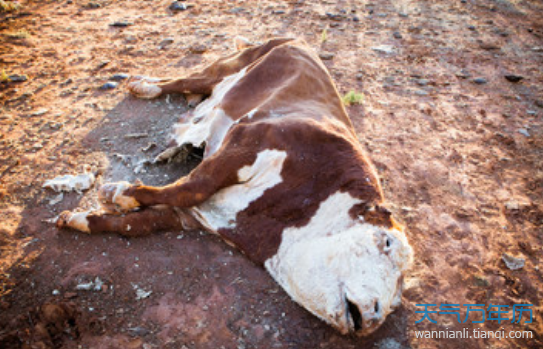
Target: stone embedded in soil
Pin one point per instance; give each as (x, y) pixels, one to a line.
(463, 74)
(110, 85)
(121, 24)
(513, 263)
(40, 112)
(397, 35)
(326, 56)
(513, 78)
(18, 78)
(198, 49)
(119, 77)
(387, 49)
(480, 81)
(524, 132)
(177, 6)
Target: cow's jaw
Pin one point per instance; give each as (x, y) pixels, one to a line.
(342, 270)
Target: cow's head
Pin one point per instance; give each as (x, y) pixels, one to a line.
(351, 278)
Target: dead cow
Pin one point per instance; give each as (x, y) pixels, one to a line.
(283, 178)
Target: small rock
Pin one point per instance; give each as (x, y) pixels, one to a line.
(18, 78)
(39, 112)
(513, 78)
(93, 5)
(523, 132)
(531, 112)
(359, 76)
(512, 205)
(480, 81)
(513, 263)
(463, 1)
(422, 82)
(421, 93)
(539, 103)
(165, 42)
(356, 19)
(471, 27)
(56, 292)
(278, 12)
(326, 56)
(198, 49)
(119, 77)
(403, 14)
(121, 24)
(334, 17)
(463, 74)
(388, 49)
(177, 6)
(397, 35)
(110, 85)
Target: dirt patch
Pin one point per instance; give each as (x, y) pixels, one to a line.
(458, 146)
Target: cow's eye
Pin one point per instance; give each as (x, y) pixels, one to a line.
(388, 242)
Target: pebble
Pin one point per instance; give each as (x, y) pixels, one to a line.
(539, 103)
(422, 82)
(464, 74)
(384, 49)
(121, 24)
(513, 78)
(334, 17)
(326, 56)
(18, 78)
(165, 42)
(198, 49)
(278, 12)
(471, 27)
(356, 19)
(39, 112)
(110, 85)
(403, 15)
(480, 81)
(119, 77)
(421, 93)
(397, 35)
(523, 132)
(513, 263)
(177, 6)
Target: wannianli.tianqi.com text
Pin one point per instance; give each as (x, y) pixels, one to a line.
(473, 333)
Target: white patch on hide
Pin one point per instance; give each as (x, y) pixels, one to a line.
(221, 209)
(252, 113)
(335, 257)
(208, 124)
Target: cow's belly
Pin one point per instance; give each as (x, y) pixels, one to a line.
(220, 211)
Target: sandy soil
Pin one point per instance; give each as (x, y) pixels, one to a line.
(460, 161)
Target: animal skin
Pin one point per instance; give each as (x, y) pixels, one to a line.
(283, 178)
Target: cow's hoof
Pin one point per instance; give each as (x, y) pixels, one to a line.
(113, 199)
(142, 88)
(77, 221)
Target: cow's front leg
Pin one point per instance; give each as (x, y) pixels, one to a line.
(144, 222)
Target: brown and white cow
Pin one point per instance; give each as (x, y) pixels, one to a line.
(283, 178)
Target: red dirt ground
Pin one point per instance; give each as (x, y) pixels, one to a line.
(461, 165)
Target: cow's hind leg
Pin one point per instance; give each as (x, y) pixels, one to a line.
(202, 83)
(139, 223)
